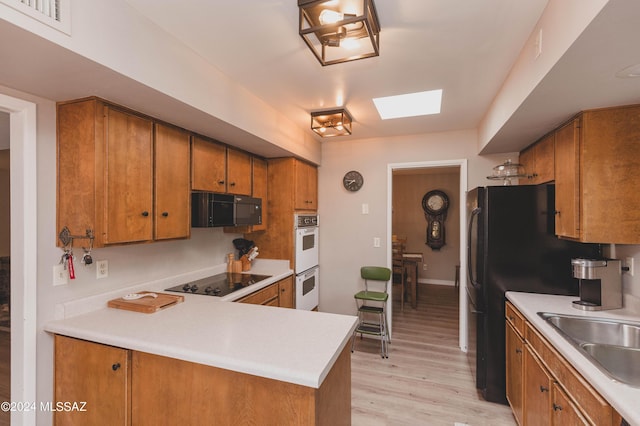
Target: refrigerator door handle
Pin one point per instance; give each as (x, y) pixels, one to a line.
(474, 216)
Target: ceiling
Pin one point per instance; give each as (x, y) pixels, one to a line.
(464, 47)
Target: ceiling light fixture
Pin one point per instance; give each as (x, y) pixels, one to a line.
(329, 123)
(339, 31)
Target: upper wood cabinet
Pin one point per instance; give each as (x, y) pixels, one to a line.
(106, 175)
(306, 185)
(259, 172)
(218, 168)
(538, 161)
(597, 173)
(172, 183)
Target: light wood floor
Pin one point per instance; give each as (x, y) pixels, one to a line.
(5, 374)
(426, 379)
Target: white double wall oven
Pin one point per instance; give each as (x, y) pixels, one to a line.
(306, 260)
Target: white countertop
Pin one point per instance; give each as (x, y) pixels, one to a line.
(623, 398)
(289, 345)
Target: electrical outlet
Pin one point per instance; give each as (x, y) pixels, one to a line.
(102, 269)
(376, 242)
(628, 263)
(60, 275)
(365, 208)
(424, 266)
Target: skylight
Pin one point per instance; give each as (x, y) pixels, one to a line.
(409, 105)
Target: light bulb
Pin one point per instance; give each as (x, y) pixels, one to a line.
(350, 43)
(322, 129)
(328, 16)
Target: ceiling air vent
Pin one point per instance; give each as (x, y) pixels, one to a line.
(54, 13)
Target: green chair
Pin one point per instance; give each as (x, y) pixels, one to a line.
(371, 303)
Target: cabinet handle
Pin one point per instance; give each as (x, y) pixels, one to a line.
(557, 407)
(518, 351)
(511, 318)
(543, 389)
(145, 213)
(220, 182)
(232, 184)
(115, 366)
(165, 214)
(557, 212)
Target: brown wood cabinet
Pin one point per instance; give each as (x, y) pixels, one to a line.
(99, 375)
(172, 183)
(597, 170)
(219, 168)
(106, 175)
(292, 183)
(280, 294)
(538, 161)
(514, 361)
(552, 391)
(127, 387)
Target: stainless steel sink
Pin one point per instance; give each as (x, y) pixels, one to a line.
(612, 345)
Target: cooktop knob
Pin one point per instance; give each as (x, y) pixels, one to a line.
(217, 291)
(208, 290)
(186, 287)
(194, 288)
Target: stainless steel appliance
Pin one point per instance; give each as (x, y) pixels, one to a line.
(210, 209)
(220, 284)
(306, 260)
(600, 283)
(511, 246)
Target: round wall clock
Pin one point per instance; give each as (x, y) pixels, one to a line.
(435, 205)
(352, 181)
(435, 202)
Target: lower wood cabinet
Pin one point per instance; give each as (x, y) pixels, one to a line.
(280, 294)
(544, 389)
(125, 387)
(98, 377)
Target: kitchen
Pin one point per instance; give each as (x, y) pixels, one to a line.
(134, 264)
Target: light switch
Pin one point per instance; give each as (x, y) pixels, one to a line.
(376, 241)
(365, 208)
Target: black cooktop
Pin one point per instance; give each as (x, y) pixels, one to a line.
(219, 285)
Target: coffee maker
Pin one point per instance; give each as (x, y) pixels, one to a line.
(600, 283)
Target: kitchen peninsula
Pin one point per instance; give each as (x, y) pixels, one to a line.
(207, 361)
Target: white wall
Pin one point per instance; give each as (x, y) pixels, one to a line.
(346, 235)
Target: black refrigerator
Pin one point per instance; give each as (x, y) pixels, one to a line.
(511, 247)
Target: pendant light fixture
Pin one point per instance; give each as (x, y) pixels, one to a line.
(339, 31)
(329, 123)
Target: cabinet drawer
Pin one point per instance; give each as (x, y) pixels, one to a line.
(515, 318)
(266, 296)
(594, 407)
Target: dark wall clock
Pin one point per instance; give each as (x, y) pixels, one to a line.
(352, 181)
(435, 205)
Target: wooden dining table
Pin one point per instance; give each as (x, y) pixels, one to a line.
(410, 262)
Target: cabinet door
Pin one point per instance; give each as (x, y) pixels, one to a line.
(528, 160)
(260, 176)
(93, 373)
(128, 178)
(287, 293)
(567, 169)
(306, 186)
(238, 172)
(208, 165)
(537, 391)
(545, 159)
(172, 191)
(564, 412)
(515, 364)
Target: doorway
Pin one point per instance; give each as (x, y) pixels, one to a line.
(23, 246)
(442, 262)
(5, 268)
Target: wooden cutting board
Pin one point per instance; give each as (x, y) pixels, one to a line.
(147, 305)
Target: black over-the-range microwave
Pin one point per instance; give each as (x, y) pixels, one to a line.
(209, 209)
